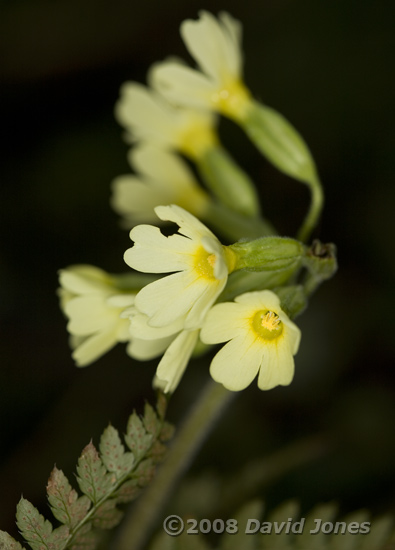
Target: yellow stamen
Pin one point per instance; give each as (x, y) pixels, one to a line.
(266, 324)
(205, 263)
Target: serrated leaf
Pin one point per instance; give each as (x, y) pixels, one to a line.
(151, 421)
(9, 543)
(157, 452)
(137, 439)
(86, 539)
(58, 537)
(35, 529)
(166, 432)
(64, 501)
(107, 515)
(113, 453)
(145, 472)
(93, 478)
(128, 491)
(234, 541)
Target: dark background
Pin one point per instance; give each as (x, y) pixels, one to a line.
(328, 67)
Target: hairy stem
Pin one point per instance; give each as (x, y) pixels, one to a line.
(210, 404)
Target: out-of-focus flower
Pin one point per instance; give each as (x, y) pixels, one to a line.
(163, 178)
(148, 118)
(93, 305)
(215, 44)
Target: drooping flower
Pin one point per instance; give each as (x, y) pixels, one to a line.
(148, 117)
(215, 44)
(198, 262)
(93, 305)
(163, 178)
(260, 338)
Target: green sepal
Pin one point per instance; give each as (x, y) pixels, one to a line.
(320, 260)
(240, 282)
(268, 254)
(228, 182)
(293, 299)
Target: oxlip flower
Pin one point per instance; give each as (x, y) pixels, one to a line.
(93, 305)
(199, 265)
(260, 339)
(215, 44)
(148, 117)
(163, 178)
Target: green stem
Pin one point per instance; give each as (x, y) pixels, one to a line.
(316, 204)
(195, 429)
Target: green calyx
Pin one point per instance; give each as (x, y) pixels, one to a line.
(268, 254)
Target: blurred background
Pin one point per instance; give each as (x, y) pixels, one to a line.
(328, 67)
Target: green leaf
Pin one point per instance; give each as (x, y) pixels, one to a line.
(138, 441)
(166, 432)
(128, 491)
(113, 453)
(35, 529)
(8, 543)
(151, 421)
(86, 539)
(107, 515)
(145, 472)
(235, 541)
(64, 501)
(93, 479)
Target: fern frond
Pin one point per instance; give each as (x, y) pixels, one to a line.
(108, 477)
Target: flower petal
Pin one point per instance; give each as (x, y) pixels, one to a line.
(155, 253)
(94, 347)
(173, 363)
(188, 224)
(224, 322)
(170, 298)
(89, 314)
(277, 366)
(144, 350)
(144, 114)
(182, 85)
(237, 363)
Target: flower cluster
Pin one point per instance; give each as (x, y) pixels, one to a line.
(242, 295)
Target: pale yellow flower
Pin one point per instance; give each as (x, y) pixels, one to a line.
(201, 265)
(93, 305)
(260, 339)
(163, 178)
(215, 44)
(148, 117)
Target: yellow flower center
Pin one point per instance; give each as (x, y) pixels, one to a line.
(195, 139)
(204, 263)
(232, 100)
(266, 324)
